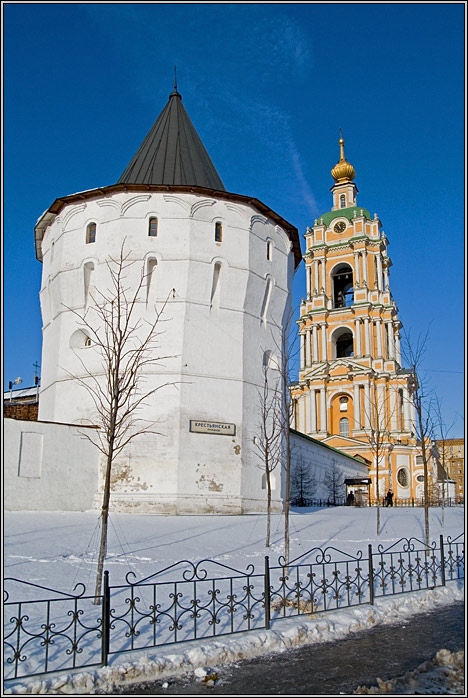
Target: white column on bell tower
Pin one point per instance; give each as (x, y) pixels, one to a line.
(356, 269)
(323, 329)
(391, 341)
(366, 337)
(315, 352)
(364, 266)
(307, 348)
(378, 327)
(358, 337)
(316, 279)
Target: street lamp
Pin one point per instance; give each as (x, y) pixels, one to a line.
(17, 381)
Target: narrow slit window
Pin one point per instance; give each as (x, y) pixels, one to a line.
(269, 250)
(214, 301)
(218, 232)
(153, 227)
(266, 300)
(91, 233)
(151, 281)
(342, 201)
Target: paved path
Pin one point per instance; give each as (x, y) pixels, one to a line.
(334, 667)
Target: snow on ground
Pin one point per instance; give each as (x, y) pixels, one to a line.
(58, 549)
(443, 675)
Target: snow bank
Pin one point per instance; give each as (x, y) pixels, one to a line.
(445, 674)
(174, 661)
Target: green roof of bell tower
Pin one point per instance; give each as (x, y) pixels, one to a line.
(343, 213)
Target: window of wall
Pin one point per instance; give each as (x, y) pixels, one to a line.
(342, 285)
(343, 345)
(218, 232)
(343, 404)
(266, 299)
(342, 201)
(269, 250)
(214, 299)
(153, 227)
(91, 233)
(403, 477)
(344, 426)
(151, 268)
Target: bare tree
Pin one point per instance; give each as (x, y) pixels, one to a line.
(303, 482)
(421, 398)
(125, 345)
(379, 417)
(267, 443)
(286, 351)
(334, 481)
(442, 431)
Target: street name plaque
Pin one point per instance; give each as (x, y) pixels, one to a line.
(199, 427)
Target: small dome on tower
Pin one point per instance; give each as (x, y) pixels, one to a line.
(343, 171)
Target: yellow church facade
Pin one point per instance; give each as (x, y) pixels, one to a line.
(352, 391)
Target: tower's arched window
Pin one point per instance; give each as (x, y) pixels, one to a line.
(342, 201)
(342, 282)
(344, 426)
(91, 233)
(343, 343)
(153, 227)
(269, 250)
(218, 232)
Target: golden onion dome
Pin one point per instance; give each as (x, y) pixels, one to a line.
(343, 170)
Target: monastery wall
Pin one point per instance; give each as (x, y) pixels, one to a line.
(48, 467)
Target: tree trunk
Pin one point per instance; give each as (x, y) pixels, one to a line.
(105, 507)
(104, 527)
(268, 532)
(378, 495)
(286, 500)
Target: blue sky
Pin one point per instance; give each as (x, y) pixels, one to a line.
(268, 87)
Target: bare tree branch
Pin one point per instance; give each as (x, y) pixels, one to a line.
(126, 345)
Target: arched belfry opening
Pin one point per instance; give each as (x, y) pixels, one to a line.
(342, 286)
(342, 343)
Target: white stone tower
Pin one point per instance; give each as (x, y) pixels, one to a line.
(226, 263)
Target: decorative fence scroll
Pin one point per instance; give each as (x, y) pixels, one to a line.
(50, 634)
(158, 610)
(318, 580)
(191, 601)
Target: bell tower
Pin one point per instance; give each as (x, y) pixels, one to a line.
(351, 381)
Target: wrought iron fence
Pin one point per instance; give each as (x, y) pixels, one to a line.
(191, 601)
(409, 502)
(318, 580)
(160, 610)
(50, 634)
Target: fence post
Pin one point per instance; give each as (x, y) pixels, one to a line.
(105, 620)
(267, 592)
(442, 560)
(371, 576)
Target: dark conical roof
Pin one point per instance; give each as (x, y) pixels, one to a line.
(172, 153)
